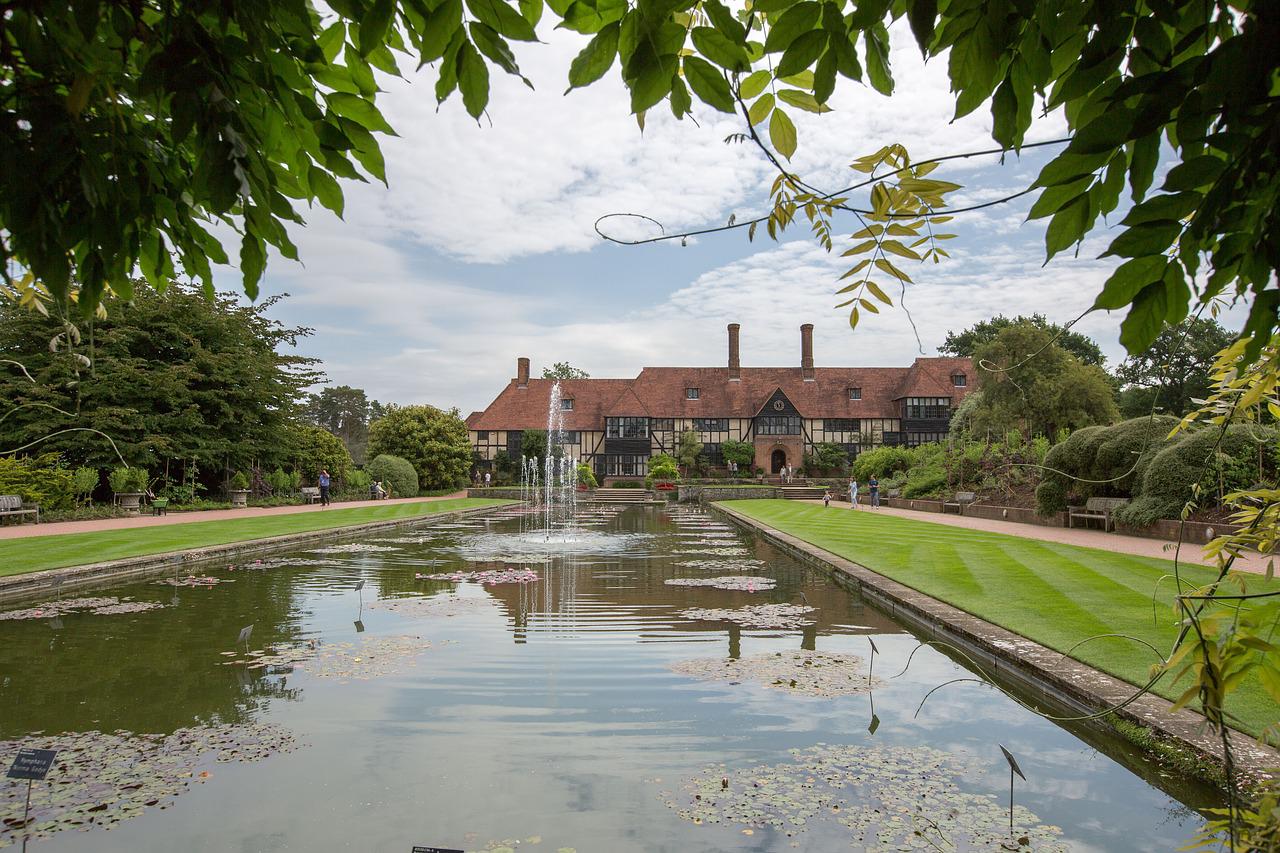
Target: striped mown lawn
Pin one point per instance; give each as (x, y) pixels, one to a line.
(1054, 594)
(34, 553)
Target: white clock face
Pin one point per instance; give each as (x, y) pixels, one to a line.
(778, 405)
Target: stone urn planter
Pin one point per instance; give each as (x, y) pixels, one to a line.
(239, 498)
(130, 502)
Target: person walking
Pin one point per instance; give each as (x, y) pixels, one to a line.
(853, 494)
(324, 487)
(874, 486)
(486, 479)
(826, 498)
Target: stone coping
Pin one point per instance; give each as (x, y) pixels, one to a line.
(73, 577)
(1024, 662)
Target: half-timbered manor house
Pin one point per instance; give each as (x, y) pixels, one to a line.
(616, 425)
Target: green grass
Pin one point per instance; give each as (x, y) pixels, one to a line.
(34, 553)
(1054, 594)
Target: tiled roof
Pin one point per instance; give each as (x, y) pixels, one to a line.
(661, 392)
(526, 408)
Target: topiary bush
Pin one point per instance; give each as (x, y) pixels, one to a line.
(396, 474)
(1124, 450)
(125, 480)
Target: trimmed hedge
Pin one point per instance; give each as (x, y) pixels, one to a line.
(398, 474)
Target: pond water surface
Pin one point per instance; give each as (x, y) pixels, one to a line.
(580, 710)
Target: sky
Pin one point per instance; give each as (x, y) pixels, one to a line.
(482, 247)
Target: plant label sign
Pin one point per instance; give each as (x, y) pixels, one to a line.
(418, 849)
(32, 764)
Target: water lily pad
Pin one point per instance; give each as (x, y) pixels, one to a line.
(194, 580)
(886, 797)
(730, 565)
(100, 605)
(443, 605)
(352, 548)
(369, 658)
(741, 583)
(713, 552)
(754, 616)
(795, 671)
(102, 778)
(487, 577)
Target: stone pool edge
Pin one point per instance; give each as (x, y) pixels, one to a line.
(43, 581)
(1026, 662)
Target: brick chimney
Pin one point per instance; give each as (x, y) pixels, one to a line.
(806, 352)
(735, 367)
(522, 372)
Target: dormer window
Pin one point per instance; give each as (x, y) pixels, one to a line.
(567, 404)
(691, 393)
(855, 393)
(959, 380)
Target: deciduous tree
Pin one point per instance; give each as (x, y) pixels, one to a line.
(1174, 372)
(433, 440)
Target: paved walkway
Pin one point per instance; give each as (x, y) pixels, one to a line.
(1137, 545)
(19, 531)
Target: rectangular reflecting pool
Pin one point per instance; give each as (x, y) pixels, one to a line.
(639, 679)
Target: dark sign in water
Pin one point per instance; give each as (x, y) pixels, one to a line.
(32, 764)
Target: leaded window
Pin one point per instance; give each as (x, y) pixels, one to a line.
(927, 408)
(711, 424)
(842, 424)
(626, 427)
(662, 424)
(691, 393)
(777, 425)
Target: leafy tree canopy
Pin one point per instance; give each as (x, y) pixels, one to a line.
(564, 370)
(742, 453)
(1038, 387)
(434, 441)
(148, 123)
(312, 448)
(1174, 371)
(172, 376)
(345, 412)
(968, 341)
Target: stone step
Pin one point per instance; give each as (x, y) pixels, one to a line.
(621, 495)
(803, 493)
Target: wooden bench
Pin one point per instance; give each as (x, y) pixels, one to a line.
(1096, 509)
(961, 499)
(311, 494)
(11, 505)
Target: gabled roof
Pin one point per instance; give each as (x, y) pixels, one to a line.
(627, 405)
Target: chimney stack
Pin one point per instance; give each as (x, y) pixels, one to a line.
(735, 368)
(522, 373)
(806, 352)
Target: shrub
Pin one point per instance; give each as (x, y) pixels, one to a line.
(358, 483)
(826, 456)
(83, 482)
(313, 448)
(284, 483)
(741, 452)
(434, 441)
(663, 468)
(627, 484)
(128, 480)
(929, 483)
(1051, 496)
(1126, 448)
(397, 474)
(586, 477)
(882, 461)
(37, 480)
(239, 482)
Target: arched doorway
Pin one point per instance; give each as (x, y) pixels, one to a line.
(777, 460)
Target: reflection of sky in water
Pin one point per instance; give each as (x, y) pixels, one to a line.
(551, 713)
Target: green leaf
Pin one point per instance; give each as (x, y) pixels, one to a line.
(1066, 168)
(803, 100)
(922, 15)
(494, 46)
(331, 40)
(708, 84)
(531, 11)
(802, 53)
(824, 77)
(680, 99)
(1174, 206)
(653, 79)
(1195, 173)
(877, 43)
(760, 109)
(473, 79)
(1146, 318)
(325, 188)
(754, 84)
(1150, 238)
(442, 24)
(596, 58)
(1106, 133)
(1128, 279)
(504, 19)
(1067, 226)
(252, 262)
(1053, 198)
(896, 248)
(358, 110)
(717, 47)
(1142, 165)
(846, 58)
(782, 133)
(799, 19)
(374, 23)
(722, 19)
